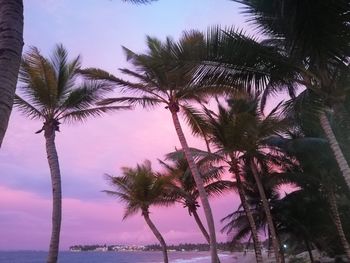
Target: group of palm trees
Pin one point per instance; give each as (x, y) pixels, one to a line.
(303, 48)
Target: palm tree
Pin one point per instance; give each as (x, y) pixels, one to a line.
(183, 188)
(50, 93)
(240, 133)
(11, 43)
(305, 44)
(321, 172)
(139, 188)
(238, 223)
(161, 77)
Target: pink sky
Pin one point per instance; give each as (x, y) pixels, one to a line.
(96, 30)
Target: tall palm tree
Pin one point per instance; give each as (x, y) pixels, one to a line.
(50, 93)
(240, 133)
(11, 43)
(139, 188)
(161, 77)
(183, 188)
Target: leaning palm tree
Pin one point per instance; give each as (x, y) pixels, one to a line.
(238, 224)
(161, 77)
(183, 188)
(240, 134)
(50, 93)
(139, 188)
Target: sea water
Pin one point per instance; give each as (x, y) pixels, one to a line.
(110, 257)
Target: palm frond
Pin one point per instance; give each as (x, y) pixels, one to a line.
(97, 74)
(195, 119)
(143, 101)
(82, 115)
(84, 96)
(65, 70)
(39, 79)
(218, 188)
(26, 108)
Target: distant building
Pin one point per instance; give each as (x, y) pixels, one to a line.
(102, 249)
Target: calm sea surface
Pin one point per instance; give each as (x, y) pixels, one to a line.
(109, 257)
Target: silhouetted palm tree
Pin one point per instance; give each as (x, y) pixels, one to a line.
(184, 189)
(240, 133)
(163, 78)
(139, 188)
(50, 93)
(305, 44)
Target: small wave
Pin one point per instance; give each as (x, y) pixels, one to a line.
(198, 259)
(193, 260)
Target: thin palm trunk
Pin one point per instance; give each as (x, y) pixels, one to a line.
(52, 158)
(275, 243)
(157, 234)
(338, 153)
(337, 221)
(256, 241)
(309, 250)
(202, 228)
(200, 225)
(11, 44)
(199, 183)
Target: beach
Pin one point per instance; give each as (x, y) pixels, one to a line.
(121, 257)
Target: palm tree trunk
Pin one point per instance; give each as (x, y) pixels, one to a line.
(199, 183)
(309, 250)
(200, 225)
(256, 241)
(202, 228)
(11, 44)
(52, 158)
(338, 154)
(275, 243)
(337, 221)
(157, 234)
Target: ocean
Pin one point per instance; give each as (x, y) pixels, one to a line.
(110, 257)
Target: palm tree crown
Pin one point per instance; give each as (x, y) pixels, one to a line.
(161, 74)
(139, 188)
(183, 185)
(52, 91)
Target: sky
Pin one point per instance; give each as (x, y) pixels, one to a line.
(96, 29)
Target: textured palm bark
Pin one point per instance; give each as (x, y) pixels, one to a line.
(337, 221)
(199, 183)
(275, 243)
(338, 153)
(256, 241)
(52, 158)
(200, 225)
(157, 234)
(11, 44)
